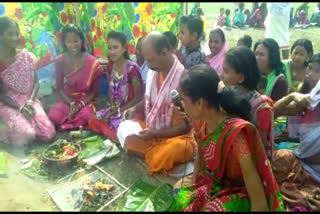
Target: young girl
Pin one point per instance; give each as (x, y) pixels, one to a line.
(125, 87)
(269, 63)
(301, 52)
(77, 82)
(240, 71)
(215, 49)
(221, 19)
(232, 171)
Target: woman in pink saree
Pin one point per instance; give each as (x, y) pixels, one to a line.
(20, 111)
(77, 82)
(215, 49)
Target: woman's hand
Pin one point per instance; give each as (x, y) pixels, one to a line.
(74, 109)
(301, 100)
(29, 105)
(146, 134)
(26, 113)
(112, 111)
(129, 113)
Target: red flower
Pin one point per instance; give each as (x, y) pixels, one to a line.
(93, 25)
(131, 49)
(45, 14)
(104, 8)
(136, 31)
(22, 42)
(95, 39)
(144, 33)
(18, 13)
(149, 9)
(98, 32)
(70, 18)
(96, 52)
(119, 18)
(59, 37)
(173, 15)
(63, 17)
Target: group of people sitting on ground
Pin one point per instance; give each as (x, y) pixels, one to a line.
(243, 17)
(302, 17)
(231, 99)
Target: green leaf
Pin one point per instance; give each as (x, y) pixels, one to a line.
(145, 197)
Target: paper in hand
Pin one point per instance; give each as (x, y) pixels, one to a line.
(126, 128)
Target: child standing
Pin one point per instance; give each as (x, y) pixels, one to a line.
(190, 51)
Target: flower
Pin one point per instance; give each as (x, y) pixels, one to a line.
(138, 17)
(95, 39)
(98, 32)
(63, 17)
(131, 49)
(19, 13)
(149, 9)
(136, 4)
(119, 18)
(136, 31)
(93, 25)
(173, 15)
(2, 9)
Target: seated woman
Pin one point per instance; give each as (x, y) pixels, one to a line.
(77, 81)
(295, 68)
(269, 63)
(125, 88)
(232, 171)
(241, 71)
(298, 172)
(215, 49)
(21, 112)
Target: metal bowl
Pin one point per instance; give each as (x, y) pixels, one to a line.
(61, 164)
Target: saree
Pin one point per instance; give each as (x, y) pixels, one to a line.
(216, 61)
(121, 91)
(262, 112)
(220, 187)
(78, 85)
(162, 154)
(18, 79)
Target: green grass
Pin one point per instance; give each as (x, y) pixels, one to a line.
(211, 9)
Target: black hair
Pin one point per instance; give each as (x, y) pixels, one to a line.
(227, 12)
(243, 60)
(247, 11)
(220, 33)
(121, 37)
(246, 40)
(172, 39)
(274, 54)
(241, 5)
(6, 22)
(202, 82)
(306, 88)
(71, 28)
(306, 44)
(194, 24)
(199, 11)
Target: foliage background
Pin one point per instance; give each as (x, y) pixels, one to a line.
(41, 23)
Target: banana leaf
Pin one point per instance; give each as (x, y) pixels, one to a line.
(142, 196)
(3, 165)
